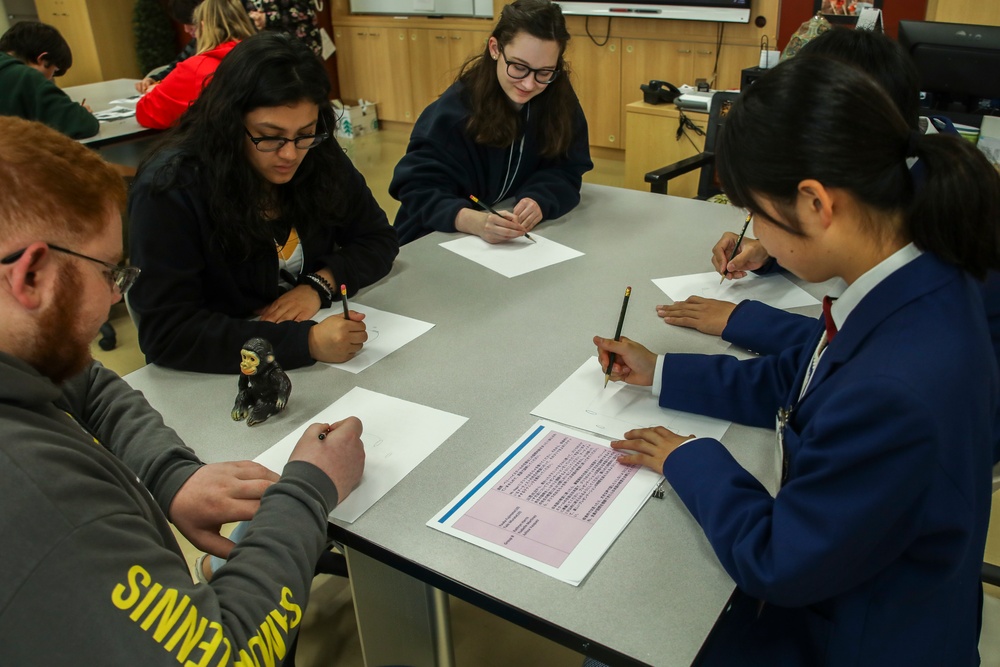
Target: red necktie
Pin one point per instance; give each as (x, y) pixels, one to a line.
(831, 327)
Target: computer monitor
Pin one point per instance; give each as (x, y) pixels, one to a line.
(959, 64)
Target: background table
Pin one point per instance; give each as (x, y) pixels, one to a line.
(498, 348)
(122, 141)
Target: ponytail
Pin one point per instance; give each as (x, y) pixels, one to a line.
(955, 208)
(816, 118)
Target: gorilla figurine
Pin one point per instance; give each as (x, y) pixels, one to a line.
(263, 387)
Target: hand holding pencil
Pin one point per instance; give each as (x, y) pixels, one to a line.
(724, 270)
(751, 257)
(502, 226)
(632, 363)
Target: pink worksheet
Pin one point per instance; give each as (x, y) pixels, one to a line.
(541, 501)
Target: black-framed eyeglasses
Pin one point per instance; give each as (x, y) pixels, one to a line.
(272, 144)
(119, 277)
(544, 76)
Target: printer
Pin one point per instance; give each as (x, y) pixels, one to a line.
(694, 100)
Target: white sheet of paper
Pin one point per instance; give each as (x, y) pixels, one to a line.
(584, 402)
(398, 435)
(512, 258)
(126, 101)
(573, 519)
(387, 332)
(774, 290)
(326, 44)
(114, 113)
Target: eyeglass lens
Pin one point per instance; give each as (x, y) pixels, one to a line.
(519, 71)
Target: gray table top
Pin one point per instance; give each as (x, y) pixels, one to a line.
(98, 96)
(498, 348)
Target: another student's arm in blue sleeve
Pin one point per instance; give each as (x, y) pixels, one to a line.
(721, 386)
(555, 184)
(764, 329)
(818, 537)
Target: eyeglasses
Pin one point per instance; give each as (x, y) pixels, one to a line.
(120, 277)
(272, 144)
(518, 71)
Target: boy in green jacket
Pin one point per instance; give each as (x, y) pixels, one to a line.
(31, 54)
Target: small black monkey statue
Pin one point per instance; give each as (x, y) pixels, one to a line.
(263, 387)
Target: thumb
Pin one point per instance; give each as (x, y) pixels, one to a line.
(742, 262)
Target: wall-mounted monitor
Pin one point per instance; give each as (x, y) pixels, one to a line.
(476, 8)
(730, 11)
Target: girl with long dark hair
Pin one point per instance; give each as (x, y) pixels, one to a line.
(250, 208)
(509, 127)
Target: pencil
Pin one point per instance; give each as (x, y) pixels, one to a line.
(494, 212)
(618, 334)
(343, 300)
(736, 248)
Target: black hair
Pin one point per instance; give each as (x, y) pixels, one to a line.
(26, 40)
(182, 11)
(881, 57)
(266, 70)
(816, 118)
(493, 121)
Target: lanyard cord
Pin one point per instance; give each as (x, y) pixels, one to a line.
(508, 180)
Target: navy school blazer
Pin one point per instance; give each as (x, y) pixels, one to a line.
(871, 551)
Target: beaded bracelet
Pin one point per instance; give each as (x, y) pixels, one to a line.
(323, 288)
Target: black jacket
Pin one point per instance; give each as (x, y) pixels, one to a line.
(192, 301)
(443, 165)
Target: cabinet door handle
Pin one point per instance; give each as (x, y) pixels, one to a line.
(683, 50)
(362, 34)
(440, 37)
(704, 53)
(374, 34)
(453, 37)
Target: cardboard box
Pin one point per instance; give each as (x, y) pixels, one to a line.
(355, 119)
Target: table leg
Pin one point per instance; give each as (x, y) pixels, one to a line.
(401, 621)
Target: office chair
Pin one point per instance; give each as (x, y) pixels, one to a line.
(707, 184)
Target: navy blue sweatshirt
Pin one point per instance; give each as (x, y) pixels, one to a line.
(443, 165)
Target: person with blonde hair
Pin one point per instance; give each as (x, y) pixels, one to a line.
(221, 25)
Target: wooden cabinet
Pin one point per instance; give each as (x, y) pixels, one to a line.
(594, 71)
(682, 63)
(652, 142)
(606, 69)
(373, 64)
(99, 32)
(976, 12)
(436, 58)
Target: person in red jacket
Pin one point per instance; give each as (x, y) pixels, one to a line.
(221, 25)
